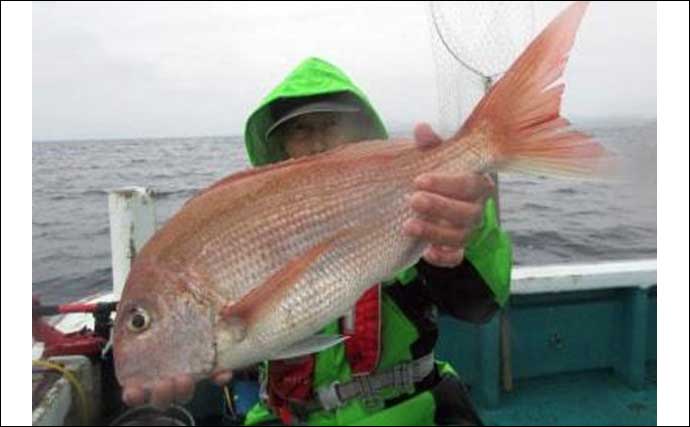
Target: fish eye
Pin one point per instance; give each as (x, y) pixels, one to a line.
(139, 320)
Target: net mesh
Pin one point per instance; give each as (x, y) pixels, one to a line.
(474, 42)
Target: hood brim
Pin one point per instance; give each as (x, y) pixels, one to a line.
(310, 108)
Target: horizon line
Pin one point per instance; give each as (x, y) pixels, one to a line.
(397, 129)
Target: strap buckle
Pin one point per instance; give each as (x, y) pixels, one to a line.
(329, 397)
(403, 378)
(368, 388)
(369, 393)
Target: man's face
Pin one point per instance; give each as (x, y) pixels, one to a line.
(317, 132)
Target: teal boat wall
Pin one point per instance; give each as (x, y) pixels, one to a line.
(556, 333)
(651, 325)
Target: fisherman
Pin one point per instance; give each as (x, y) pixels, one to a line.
(386, 371)
(465, 272)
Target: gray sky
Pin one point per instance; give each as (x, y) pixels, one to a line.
(103, 70)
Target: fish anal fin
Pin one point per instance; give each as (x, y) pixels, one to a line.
(310, 345)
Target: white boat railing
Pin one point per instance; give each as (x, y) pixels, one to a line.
(580, 277)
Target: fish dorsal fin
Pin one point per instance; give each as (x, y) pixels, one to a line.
(313, 344)
(260, 170)
(238, 176)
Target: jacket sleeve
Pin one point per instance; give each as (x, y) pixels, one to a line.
(475, 289)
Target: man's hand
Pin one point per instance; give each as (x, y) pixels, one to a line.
(167, 391)
(449, 207)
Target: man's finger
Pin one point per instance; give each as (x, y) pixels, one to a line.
(221, 377)
(442, 257)
(455, 212)
(184, 388)
(436, 234)
(162, 394)
(425, 137)
(469, 187)
(134, 396)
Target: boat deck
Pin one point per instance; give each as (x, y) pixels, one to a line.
(587, 398)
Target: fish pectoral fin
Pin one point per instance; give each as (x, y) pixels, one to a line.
(275, 287)
(313, 344)
(237, 327)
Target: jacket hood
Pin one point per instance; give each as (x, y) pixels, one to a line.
(313, 78)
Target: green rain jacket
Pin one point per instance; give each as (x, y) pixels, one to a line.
(489, 251)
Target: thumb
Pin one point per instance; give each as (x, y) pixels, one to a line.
(425, 137)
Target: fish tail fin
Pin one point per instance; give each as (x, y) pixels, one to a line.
(521, 112)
